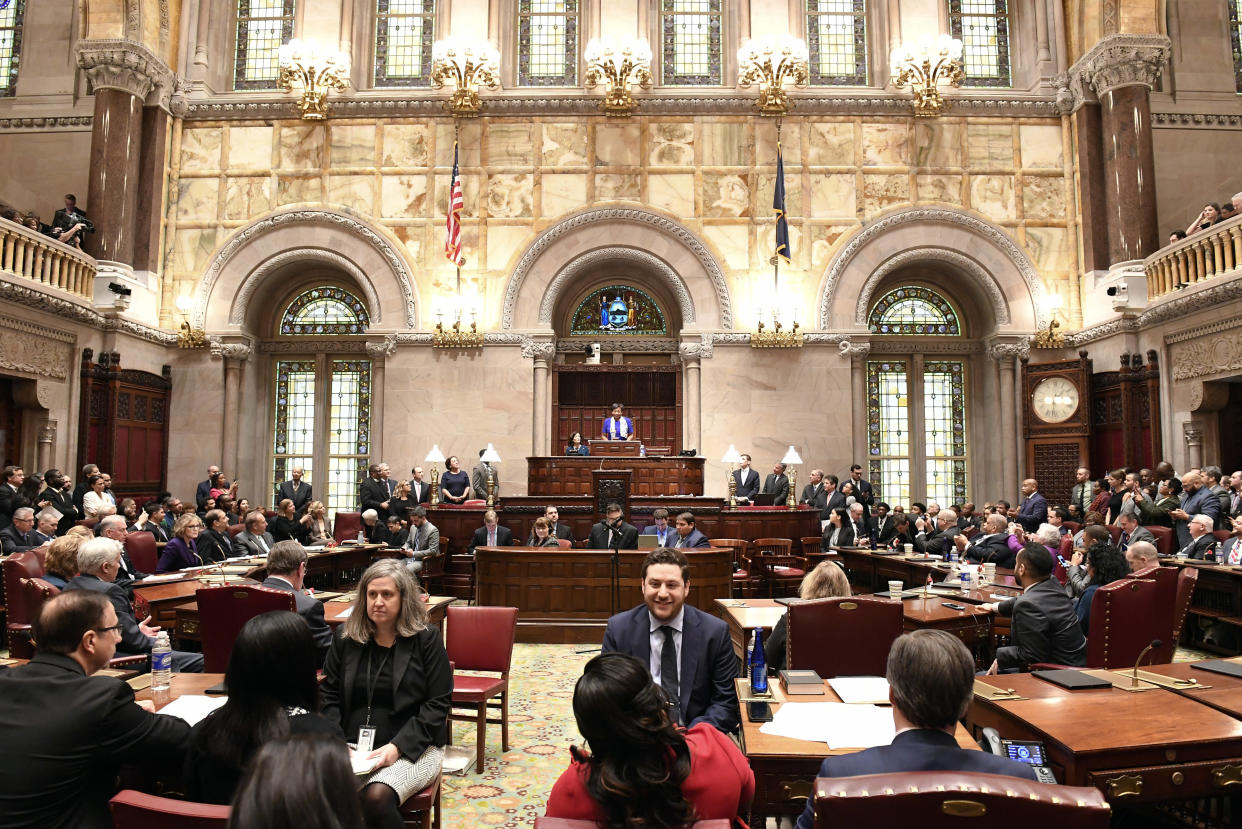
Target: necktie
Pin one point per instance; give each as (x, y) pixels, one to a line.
(1123, 542)
(491, 538)
(668, 672)
(262, 543)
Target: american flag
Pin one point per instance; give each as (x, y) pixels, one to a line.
(452, 223)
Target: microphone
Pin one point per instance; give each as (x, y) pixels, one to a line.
(1155, 643)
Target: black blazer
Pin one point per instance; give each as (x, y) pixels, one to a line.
(11, 541)
(133, 640)
(310, 609)
(62, 501)
(993, 548)
(1199, 546)
(422, 688)
(814, 495)
(65, 734)
(504, 538)
(214, 546)
(845, 538)
(562, 531)
(10, 501)
(287, 529)
(424, 493)
(833, 500)
(202, 493)
(746, 488)
(371, 493)
(599, 537)
(1045, 628)
(301, 499)
(778, 486)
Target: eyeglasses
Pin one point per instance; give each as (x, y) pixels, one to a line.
(116, 627)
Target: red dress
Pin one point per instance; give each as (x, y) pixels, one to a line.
(720, 785)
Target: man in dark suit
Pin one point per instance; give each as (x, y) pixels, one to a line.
(1201, 538)
(659, 527)
(687, 535)
(990, 546)
(939, 540)
(69, 223)
(98, 564)
(612, 532)
(689, 652)
(10, 498)
(296, 491)
(863, 491)
(777, 484)
(884, 526)
(931, 678)
(203, 492)
(1033, 510)
(18, 537)
(1132, 532)
(286, 570)
(558, 529)
(833, 498)
(814, 494)
(1045, 627)
(58, 494)
(1199, 499)
(255, 540)
(420, 490)
(491, 534)
(746, 481)
(373, 492)
(66, 732)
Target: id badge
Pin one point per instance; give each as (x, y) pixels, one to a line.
(366, 740)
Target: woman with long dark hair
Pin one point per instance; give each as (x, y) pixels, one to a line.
(300, 782)
(273, 693)
(643, 770)
(1105, 565)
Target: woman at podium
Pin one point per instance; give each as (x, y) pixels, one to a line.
(617, 427)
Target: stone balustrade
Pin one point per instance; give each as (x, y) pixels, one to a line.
(42, 259)
(1206, 254)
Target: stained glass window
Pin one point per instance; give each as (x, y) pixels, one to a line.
(294, 443)
(10, 46)
(262, 26)
(983, 28)
(404, 32)
(913, 310)
(888, 431)
(691, 37)
(618, 309)
(325, 311)
(1235, 40)
(349, 431)
(836, 37)
(944, 430)
(547, 42)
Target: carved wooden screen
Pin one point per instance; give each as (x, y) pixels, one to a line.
(582, 396)
(1125, 415)
(123, 424)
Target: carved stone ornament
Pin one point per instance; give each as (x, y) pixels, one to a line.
(1207, 355)
(304, 345)
(75, 309)
(385, 348)
(1115, 61)
(1184, 120)
(538, 349)
(1180, 304)
(636, 346)
(47, 431)
(231, 351)
(985, 281)
(34, 350)
(1192, 433)
(618, 214)
(638, 259)
(124, 65)
(854, 350)
(47, 122)
(1007, 352)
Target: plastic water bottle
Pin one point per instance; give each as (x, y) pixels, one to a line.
(758, 665)
(642, 450)
(965, 579)
(161, 663)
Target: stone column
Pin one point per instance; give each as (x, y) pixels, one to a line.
(1006, 353)
(47, 441)
(1192, 433)
(692, 365)
(234, 355)
(540, 352)
(857, 352)
(379, 352)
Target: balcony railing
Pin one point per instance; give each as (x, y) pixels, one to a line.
(1200, 256)
(42, 259)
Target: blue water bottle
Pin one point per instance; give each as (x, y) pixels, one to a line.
(758, 665)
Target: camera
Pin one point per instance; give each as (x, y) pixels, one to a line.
(593, 351)
(119, 289)
(1129, 293)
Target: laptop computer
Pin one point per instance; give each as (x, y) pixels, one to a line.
(648, 542)
(764, 499)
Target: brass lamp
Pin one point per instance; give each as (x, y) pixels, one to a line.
(925, 68)
(305, 65)
(791, 458)
(732, 457)
(188, 336)
(771, 62)
(434, 457)
(619, 66)
(467, 65)
(489, 457)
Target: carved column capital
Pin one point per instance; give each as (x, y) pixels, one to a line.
(47, 431)
(385, 348)
(231, 351)
(533, 349)
(125, 65)
(854, 350)
(1123, 60)
(1005, 351)
(1192, 433)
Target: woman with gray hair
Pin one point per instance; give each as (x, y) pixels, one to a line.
(388, 684)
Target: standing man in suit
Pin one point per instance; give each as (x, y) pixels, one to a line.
(777, 483)
(558, 529)
(613, 532)
(1198, 499)
(863, 492)
(10, 498)
(478, 478)
(18, 537)
(689, 652)
(255, 540)
(931, 677)
(1045, 627)
(1132, 532)
(1081, 493)
(687, 535)
(373, 492)
(746, 481)
(1201, 541)
(84, 486)
(991, 545)
(660, 528)
(58, 494)
(491, 534)
(833, 499)
(66, 731)
(69, 223)
(424, 539)
(813, 494)
(420, 490)
(884, 526)
(286, 570)
(296, 491)
(203, 492)
(1033, 510)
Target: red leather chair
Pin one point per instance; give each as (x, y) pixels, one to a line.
(1164, 539)
(1074, 526)
(89, 523)
(423, 808)
(481, 639)
(234, 529)
(142, 551)
(1114, 532)
(1165, 609)
(19, 566)
(936, 799)
(862, 631)
(772, 562)
(1186, 581)
(564, 543)
(1124, 621)
(346, 526)
(135, 810)
(222, 612)
(570, 823)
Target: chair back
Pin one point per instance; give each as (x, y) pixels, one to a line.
(811, 544)
(234, 529)
(142, 551)
(1074, 526)
(1164, 539)
(19, 566)
(771, 546)
(1067, 546)
(34, 592)
(1114, 532)
(936, 799)
(1186, 581)
(737, 546)
(1165, 609)
(564, 543)
(89, 523)
(346, 525)
(223, 610)
(1123, 622)
(844, 636)
(481, 638)
(135, 810)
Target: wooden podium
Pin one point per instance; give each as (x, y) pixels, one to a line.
(614, 448)
(608, 486)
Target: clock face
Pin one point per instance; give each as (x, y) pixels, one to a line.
(1055, 400)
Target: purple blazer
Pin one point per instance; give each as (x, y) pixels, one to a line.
(177, 555)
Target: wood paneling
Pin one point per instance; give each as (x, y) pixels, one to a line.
(571, 475)
(582, 396)
(1125, 415)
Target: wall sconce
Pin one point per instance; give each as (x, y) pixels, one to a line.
(778, 337)
(306, 65)
(188, 336)
(732, 457)
(1050, 337)
(620, 68)
(791, 459)
(467, 65)
(455, 335)
(923, 70)
(434, 457)
(770, 62)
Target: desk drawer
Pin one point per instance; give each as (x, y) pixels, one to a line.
(782, 788)
(1175, 781)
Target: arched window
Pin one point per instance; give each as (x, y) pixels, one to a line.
(916, 406)
(547, 53)
(836, 39)
(983, 27)
(404, 33)
(691, 38)
(10, 46)
(325, 311)
(262, 26)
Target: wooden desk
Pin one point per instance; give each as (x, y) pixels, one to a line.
(1135, 747)
(785, 768)
(1217, 596)
(181, 684)
(561, 475)
(1224, 695)
(162, 598)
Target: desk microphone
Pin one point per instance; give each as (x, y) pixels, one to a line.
(1155, 643)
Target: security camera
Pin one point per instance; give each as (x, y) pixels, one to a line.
(592, 354)
(1128, 294)
(119, 289)
(1122, 291)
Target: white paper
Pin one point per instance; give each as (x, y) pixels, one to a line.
(361, 763)
(835, 723)
(860, 689)
(315, 548)
(344, 614)
(193, 707)
(162, 577)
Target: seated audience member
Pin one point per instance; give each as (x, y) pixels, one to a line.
(931, 679)
(667, 635)
(19, 536)
(838, 533)
(1226, 210)
(455, 482)
(98, 564)
(613, 532)
(687, 535)
(1142, 555)
(990, 545)
(659, 528)
(901, 533)
(861, 525)
(374, 530)
(213, 541)
(318, 527)
(554, 523)
(66, 732)
(243, 508)
(424, 539)
(286, 570)
(182, 550)
(95, 503)
(1230, 551)
(1208, 216)
(576, 445)
(1077, 571)
(642, 770)
(1057, 516)
(113, 526)
(1047, 535)
(491, 534)
(938, 540)
(826, 581)
(69, 223)
(273, 692)
(285, 526)
(1045, 627)
(302, 781)
(1177, 236)
(61, 563)
(255, 540)
(1202, 542)
(398, 533)
(46, 521)
(1132, 531)
(226, 505)
(1091, 519)
(150, 520)
(1105, 564)
(58, 494)
(541, 535)
(388, 628)
(884, 527)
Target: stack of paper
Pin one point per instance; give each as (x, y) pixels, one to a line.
(865, 690)
(835, 723)
(362, 762)
(192, 707)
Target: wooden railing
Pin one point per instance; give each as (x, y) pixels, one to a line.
(42, 259)
(1203, 255)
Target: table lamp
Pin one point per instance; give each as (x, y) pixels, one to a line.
(792, 457)
(434, 457)
(732, 457)
(489, 457)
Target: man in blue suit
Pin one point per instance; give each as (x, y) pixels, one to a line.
(689, 652)
(687, 535)
(659, 528)
(1033, 510)
(931, 678)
